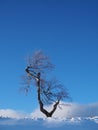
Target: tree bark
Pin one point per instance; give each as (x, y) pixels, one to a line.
(48, 114)
(37, 78)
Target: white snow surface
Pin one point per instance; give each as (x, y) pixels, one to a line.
(74, 123)
(67, 117)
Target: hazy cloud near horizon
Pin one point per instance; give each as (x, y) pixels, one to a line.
(65, 110)
(69, 110)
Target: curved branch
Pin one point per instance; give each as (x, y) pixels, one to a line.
(37, 78)
(31, 74)
(48, 114)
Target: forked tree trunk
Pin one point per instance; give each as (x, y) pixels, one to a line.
(42, 109)
(48, 114)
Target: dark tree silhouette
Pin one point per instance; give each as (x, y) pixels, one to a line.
(48, 91)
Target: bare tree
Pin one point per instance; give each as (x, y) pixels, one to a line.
(48, 91)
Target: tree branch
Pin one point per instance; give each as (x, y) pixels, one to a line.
(29, 72)
(48, 114)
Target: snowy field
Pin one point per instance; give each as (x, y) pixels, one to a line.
(49, 124)
(67, 117)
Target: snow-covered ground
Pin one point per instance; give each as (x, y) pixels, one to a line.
(50, 123)
(67, 117)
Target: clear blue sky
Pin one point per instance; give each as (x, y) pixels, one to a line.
(66, 30)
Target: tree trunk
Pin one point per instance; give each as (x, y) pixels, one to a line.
(37, 78)
(48, 114)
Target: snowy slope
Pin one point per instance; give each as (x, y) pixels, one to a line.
(68, 117)
(51, 123)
